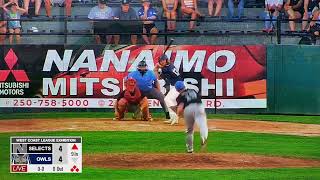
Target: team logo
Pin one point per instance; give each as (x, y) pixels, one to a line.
(21, 78)
(74, 169)
(20, 159)
(11, 60)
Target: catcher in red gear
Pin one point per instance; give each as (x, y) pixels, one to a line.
(130, 100)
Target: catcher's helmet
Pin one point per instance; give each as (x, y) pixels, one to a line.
(130, 84)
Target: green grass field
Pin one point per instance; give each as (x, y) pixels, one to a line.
(116, 142)
(173, 142)
(244, 174)
(274, 118)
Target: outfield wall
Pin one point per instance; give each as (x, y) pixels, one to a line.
(293, 84)
(272, 79)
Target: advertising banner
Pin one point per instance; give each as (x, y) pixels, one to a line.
(91, 76)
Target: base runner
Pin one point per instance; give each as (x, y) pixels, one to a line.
(170, 74)
(192, 110)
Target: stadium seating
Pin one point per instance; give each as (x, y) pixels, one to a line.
(222, 30)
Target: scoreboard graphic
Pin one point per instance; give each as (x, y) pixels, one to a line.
(46, 154)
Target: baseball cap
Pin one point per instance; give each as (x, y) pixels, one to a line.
(179, 85)
(103, 1)
(125, 2)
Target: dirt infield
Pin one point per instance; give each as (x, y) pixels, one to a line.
(172, 161)
(29, 125)
(193, 161)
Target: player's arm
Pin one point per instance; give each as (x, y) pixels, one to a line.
(155, 81)
(180, 110)
(156, 70)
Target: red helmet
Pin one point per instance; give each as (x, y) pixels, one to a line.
(130, 84)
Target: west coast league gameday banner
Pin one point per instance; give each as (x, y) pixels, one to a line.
(58, 76)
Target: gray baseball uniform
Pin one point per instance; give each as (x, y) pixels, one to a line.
(194, 112)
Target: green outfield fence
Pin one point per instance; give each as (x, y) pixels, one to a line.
(293, 84)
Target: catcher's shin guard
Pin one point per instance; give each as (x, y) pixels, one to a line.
(121, 108)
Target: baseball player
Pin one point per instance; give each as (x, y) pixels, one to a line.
(192, 110)
(149, 85)
(131, 99)
(170, 74)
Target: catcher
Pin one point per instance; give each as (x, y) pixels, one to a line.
(130, 99)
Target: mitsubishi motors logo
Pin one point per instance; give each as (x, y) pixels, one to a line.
(11, 60)
(21, 78)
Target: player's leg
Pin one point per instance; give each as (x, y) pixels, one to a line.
(155, 94)
(201, 121)
(120, 108)
(144, 106)
(171, 102)
(189, 122)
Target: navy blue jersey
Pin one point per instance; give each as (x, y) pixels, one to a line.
(170, 74)
(188, 96)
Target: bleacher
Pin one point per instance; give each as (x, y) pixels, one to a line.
(221, 30)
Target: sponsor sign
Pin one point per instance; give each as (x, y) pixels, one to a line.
(92, 76)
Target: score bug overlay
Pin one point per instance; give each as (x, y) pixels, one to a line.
(52, 154)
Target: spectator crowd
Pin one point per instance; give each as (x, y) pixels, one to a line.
(294, 10)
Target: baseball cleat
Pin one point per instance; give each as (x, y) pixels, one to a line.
(204, 145)
(174, 121)
(168, 121)
(189, 149)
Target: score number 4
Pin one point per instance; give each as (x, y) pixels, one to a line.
(60, 149)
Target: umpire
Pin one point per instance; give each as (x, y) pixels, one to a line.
(149, 85)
